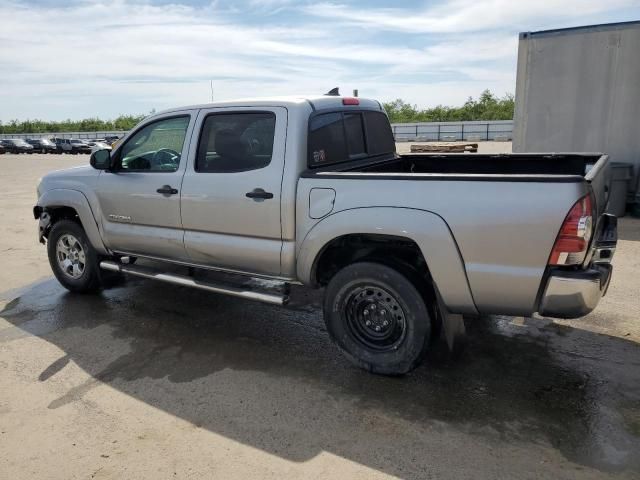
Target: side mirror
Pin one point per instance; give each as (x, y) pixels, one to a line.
(101, 159)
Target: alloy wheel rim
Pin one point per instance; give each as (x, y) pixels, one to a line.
(71, 256)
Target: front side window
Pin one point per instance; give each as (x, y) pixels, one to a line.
(156, 147)
(236, 142)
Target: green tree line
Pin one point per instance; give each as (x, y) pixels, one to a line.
(123, 122)
(487, 107)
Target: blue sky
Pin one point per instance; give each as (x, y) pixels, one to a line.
(89, 58)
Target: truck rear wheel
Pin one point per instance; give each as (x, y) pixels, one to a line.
(72, 258)
(378, 318)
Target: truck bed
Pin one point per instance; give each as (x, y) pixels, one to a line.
(503, 211)
(532, 165)
(590, 168)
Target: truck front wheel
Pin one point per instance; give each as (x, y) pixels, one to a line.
(72, 258)
(378, 318)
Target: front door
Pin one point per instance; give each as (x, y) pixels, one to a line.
(140, 196)
(231, 189)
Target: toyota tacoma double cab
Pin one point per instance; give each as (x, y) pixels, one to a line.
(311, 191)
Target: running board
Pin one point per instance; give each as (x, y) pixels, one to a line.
(185, 281)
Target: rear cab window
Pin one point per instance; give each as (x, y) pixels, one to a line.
(336, 137)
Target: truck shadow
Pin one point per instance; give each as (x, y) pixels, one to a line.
(269, 377)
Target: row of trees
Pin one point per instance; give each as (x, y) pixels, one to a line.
(123, 122)
(487, 107)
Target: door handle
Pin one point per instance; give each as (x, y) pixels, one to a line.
(259, 193)
(167, 190)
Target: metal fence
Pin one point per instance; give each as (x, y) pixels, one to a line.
(403, 132)
(501, 130)
(79, 135)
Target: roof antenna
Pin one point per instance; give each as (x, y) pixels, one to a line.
(333, 92)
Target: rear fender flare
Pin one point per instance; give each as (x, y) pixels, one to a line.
(428, 230)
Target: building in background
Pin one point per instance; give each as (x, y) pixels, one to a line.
(578, 89)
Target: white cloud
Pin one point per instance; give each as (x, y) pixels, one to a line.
(464, 15)
(104, 58)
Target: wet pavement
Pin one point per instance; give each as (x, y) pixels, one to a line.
(269, 377)
(148, 380)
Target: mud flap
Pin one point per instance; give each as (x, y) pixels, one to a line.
(453, 329)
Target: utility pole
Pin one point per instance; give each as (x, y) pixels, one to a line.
(211, 91)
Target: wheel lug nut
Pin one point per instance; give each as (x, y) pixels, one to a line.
(377, 329)
(373, 306)
(367, 323)
(385, 323)
(366, 312)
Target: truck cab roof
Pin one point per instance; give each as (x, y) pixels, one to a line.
(317, 102)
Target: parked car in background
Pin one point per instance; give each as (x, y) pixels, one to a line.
(111, 139)
(98, 145)
(42, 145)
(79, 146)
(17, 145)
(70, 145)
(2, 149)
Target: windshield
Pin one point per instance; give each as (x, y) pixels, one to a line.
(77, 141)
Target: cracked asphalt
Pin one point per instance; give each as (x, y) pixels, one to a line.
(150, 380)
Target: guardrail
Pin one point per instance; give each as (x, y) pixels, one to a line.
(499, 130)
(79, 135)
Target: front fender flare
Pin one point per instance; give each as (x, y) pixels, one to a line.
(428, 230)
(62, 197)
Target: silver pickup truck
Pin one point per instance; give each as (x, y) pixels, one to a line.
(311, 191)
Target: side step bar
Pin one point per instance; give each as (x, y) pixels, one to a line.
(272, 298)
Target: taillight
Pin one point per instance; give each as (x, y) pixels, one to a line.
(350, 101)
(573, 240)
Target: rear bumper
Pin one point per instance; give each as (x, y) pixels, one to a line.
(575, 293)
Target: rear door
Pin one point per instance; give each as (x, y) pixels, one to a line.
(140, 198)
(231, 190)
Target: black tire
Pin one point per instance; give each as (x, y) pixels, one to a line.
(400, 345)
(89, 279)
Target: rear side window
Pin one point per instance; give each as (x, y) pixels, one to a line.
(340, 136)
(236, 142)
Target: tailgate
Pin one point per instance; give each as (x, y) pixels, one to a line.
(599, 177)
